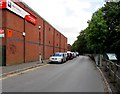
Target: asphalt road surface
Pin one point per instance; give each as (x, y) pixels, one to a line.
(77, 75)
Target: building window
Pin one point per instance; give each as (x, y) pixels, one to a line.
(49, 29)
(49, 42)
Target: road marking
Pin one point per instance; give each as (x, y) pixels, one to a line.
(23, 72)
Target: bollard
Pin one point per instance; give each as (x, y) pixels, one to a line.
(101, 64)
(40, 59)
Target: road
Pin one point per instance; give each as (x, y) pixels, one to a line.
(77, 75)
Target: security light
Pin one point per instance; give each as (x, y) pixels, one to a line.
(39, 27)
(24, 34)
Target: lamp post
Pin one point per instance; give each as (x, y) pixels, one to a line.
(39, 27)
(40, 57)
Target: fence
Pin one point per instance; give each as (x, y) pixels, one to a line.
(112, 70)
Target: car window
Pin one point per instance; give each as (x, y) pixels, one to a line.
(57, 54)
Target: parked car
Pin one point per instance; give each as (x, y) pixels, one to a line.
(74, 54)
(69, 55)
(77, 53)
(65, 54)
(58, 57)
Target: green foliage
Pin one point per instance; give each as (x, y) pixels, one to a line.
(96, 32)
(103, 32)
(75, 46)
(112, 12)
(80, 44)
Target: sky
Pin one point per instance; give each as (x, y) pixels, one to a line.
(68, 16)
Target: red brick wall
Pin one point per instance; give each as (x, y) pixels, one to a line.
(57, 41)
(20, 49)
(49, 40)
(14, 52)
(49, 35)
(31, 42)
(49, 51)
(65, 44)
(62, 43)
(2, 18)
(69, 47)
(14, 44)
(14, 22)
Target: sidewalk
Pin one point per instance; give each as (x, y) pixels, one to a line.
(6, 70)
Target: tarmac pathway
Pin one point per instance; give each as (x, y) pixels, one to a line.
(77, 75)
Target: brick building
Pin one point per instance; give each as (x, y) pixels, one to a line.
(69, 47)
(25, 34)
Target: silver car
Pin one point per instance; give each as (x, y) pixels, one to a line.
(58, 57)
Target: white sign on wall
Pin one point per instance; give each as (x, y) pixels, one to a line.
(10, 5)
(2, 33)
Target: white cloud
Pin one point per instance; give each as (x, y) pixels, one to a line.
(68, 16)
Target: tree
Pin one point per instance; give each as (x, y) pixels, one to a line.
(80, 44)
(103, 32)
(96, 32)
(112, 12)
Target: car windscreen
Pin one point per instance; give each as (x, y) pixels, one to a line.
(57, 54)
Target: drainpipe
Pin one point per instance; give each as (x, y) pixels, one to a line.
(44, 41)
(54, 41)
(24, 41)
